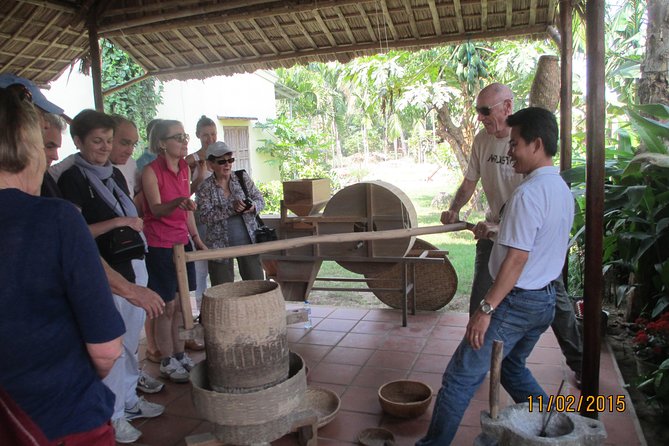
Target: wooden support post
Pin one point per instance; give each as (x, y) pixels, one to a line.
(595, 124)
(495, 375)
(96, 61)
(182, 284)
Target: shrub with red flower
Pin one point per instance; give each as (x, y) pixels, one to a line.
(651, 342)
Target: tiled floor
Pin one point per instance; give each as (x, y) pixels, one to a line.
(354, 351)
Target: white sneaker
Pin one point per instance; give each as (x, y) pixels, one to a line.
(174, 371)
(124, 432)
(148, 384)
(186, 362)
(144, 409)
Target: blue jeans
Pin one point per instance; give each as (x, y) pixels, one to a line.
(518, 322)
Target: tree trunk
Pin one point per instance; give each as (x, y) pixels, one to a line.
(654, 82)
(459, 138)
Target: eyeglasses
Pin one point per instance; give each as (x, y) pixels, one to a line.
(179, 137)
(485, 111)
(224, 162)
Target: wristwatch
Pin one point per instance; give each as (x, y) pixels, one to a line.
(485, 307)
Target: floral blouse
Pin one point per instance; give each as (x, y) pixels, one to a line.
(215, 208)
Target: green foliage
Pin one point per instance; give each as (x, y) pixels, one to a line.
(138, 102)
(636, 208)
(272, 192)
(295, 149)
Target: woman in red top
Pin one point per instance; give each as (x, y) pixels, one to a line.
(168, 220)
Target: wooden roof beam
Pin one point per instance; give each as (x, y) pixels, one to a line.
(206, 42)
(279, 28)
(347, 28)
(509, 14)
(303, 30)
(21, 52)
(533, 12)
(160, 23)
(263, 36)
(184, 10)
(147, 62)
(552, 5)
(368, 23)
(175, 50)
(155, 50)
(53, 4)
(324, 28)
(412, 20)
(6, 38)
(288, 56)
(225, 42)
(435, 17)
(246, 43)
(387, 20)
(458, 16)
(189, 44)
(484, 15)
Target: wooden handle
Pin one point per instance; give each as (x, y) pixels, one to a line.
(182, 284)
(277, 245)
(495, 374)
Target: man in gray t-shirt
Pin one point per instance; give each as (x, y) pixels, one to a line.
(490, 163)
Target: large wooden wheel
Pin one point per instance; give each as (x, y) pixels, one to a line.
(435, 283)
(368, 206)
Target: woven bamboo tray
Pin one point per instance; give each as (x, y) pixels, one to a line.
(435, 283)
(324, 402)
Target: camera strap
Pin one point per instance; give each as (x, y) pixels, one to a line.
(240, 176)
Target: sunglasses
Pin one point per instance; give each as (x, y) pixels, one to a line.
(485, 111)
(179, 137)
(223, 162)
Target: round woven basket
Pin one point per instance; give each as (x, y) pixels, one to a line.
(436, 283)
(324, 402)
(245, 335)
(405, 398)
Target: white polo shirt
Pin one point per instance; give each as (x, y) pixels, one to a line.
(537, 219)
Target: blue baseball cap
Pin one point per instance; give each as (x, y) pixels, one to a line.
(38, 97)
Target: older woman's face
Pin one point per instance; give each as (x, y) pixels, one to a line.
(96, 146)
(175, 142)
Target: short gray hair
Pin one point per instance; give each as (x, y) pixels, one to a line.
(55, 121)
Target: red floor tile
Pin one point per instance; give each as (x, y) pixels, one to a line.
(334, 373)
(403, 344)
(348, 313)
(392, 360)
(353, 352)
(348, 355)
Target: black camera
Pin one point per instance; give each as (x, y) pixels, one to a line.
(247, 204)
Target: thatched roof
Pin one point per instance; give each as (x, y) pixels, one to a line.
(181, 39)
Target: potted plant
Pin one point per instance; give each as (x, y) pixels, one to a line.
(651, 344)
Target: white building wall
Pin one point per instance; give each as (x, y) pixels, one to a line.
(240, 96)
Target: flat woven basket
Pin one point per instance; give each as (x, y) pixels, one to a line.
(436, 283)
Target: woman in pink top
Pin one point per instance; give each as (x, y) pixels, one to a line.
(168, 220)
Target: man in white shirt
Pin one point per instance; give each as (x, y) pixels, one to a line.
(528, 253)
(490, 163)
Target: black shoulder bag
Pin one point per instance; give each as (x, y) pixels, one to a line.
(263, 233)
(120, 244)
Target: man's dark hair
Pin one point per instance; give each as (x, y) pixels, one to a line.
(536, 122)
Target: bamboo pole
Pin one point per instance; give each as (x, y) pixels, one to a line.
(182, 285)
(259, 248)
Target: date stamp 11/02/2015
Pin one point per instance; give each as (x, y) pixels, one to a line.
(576, 404)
